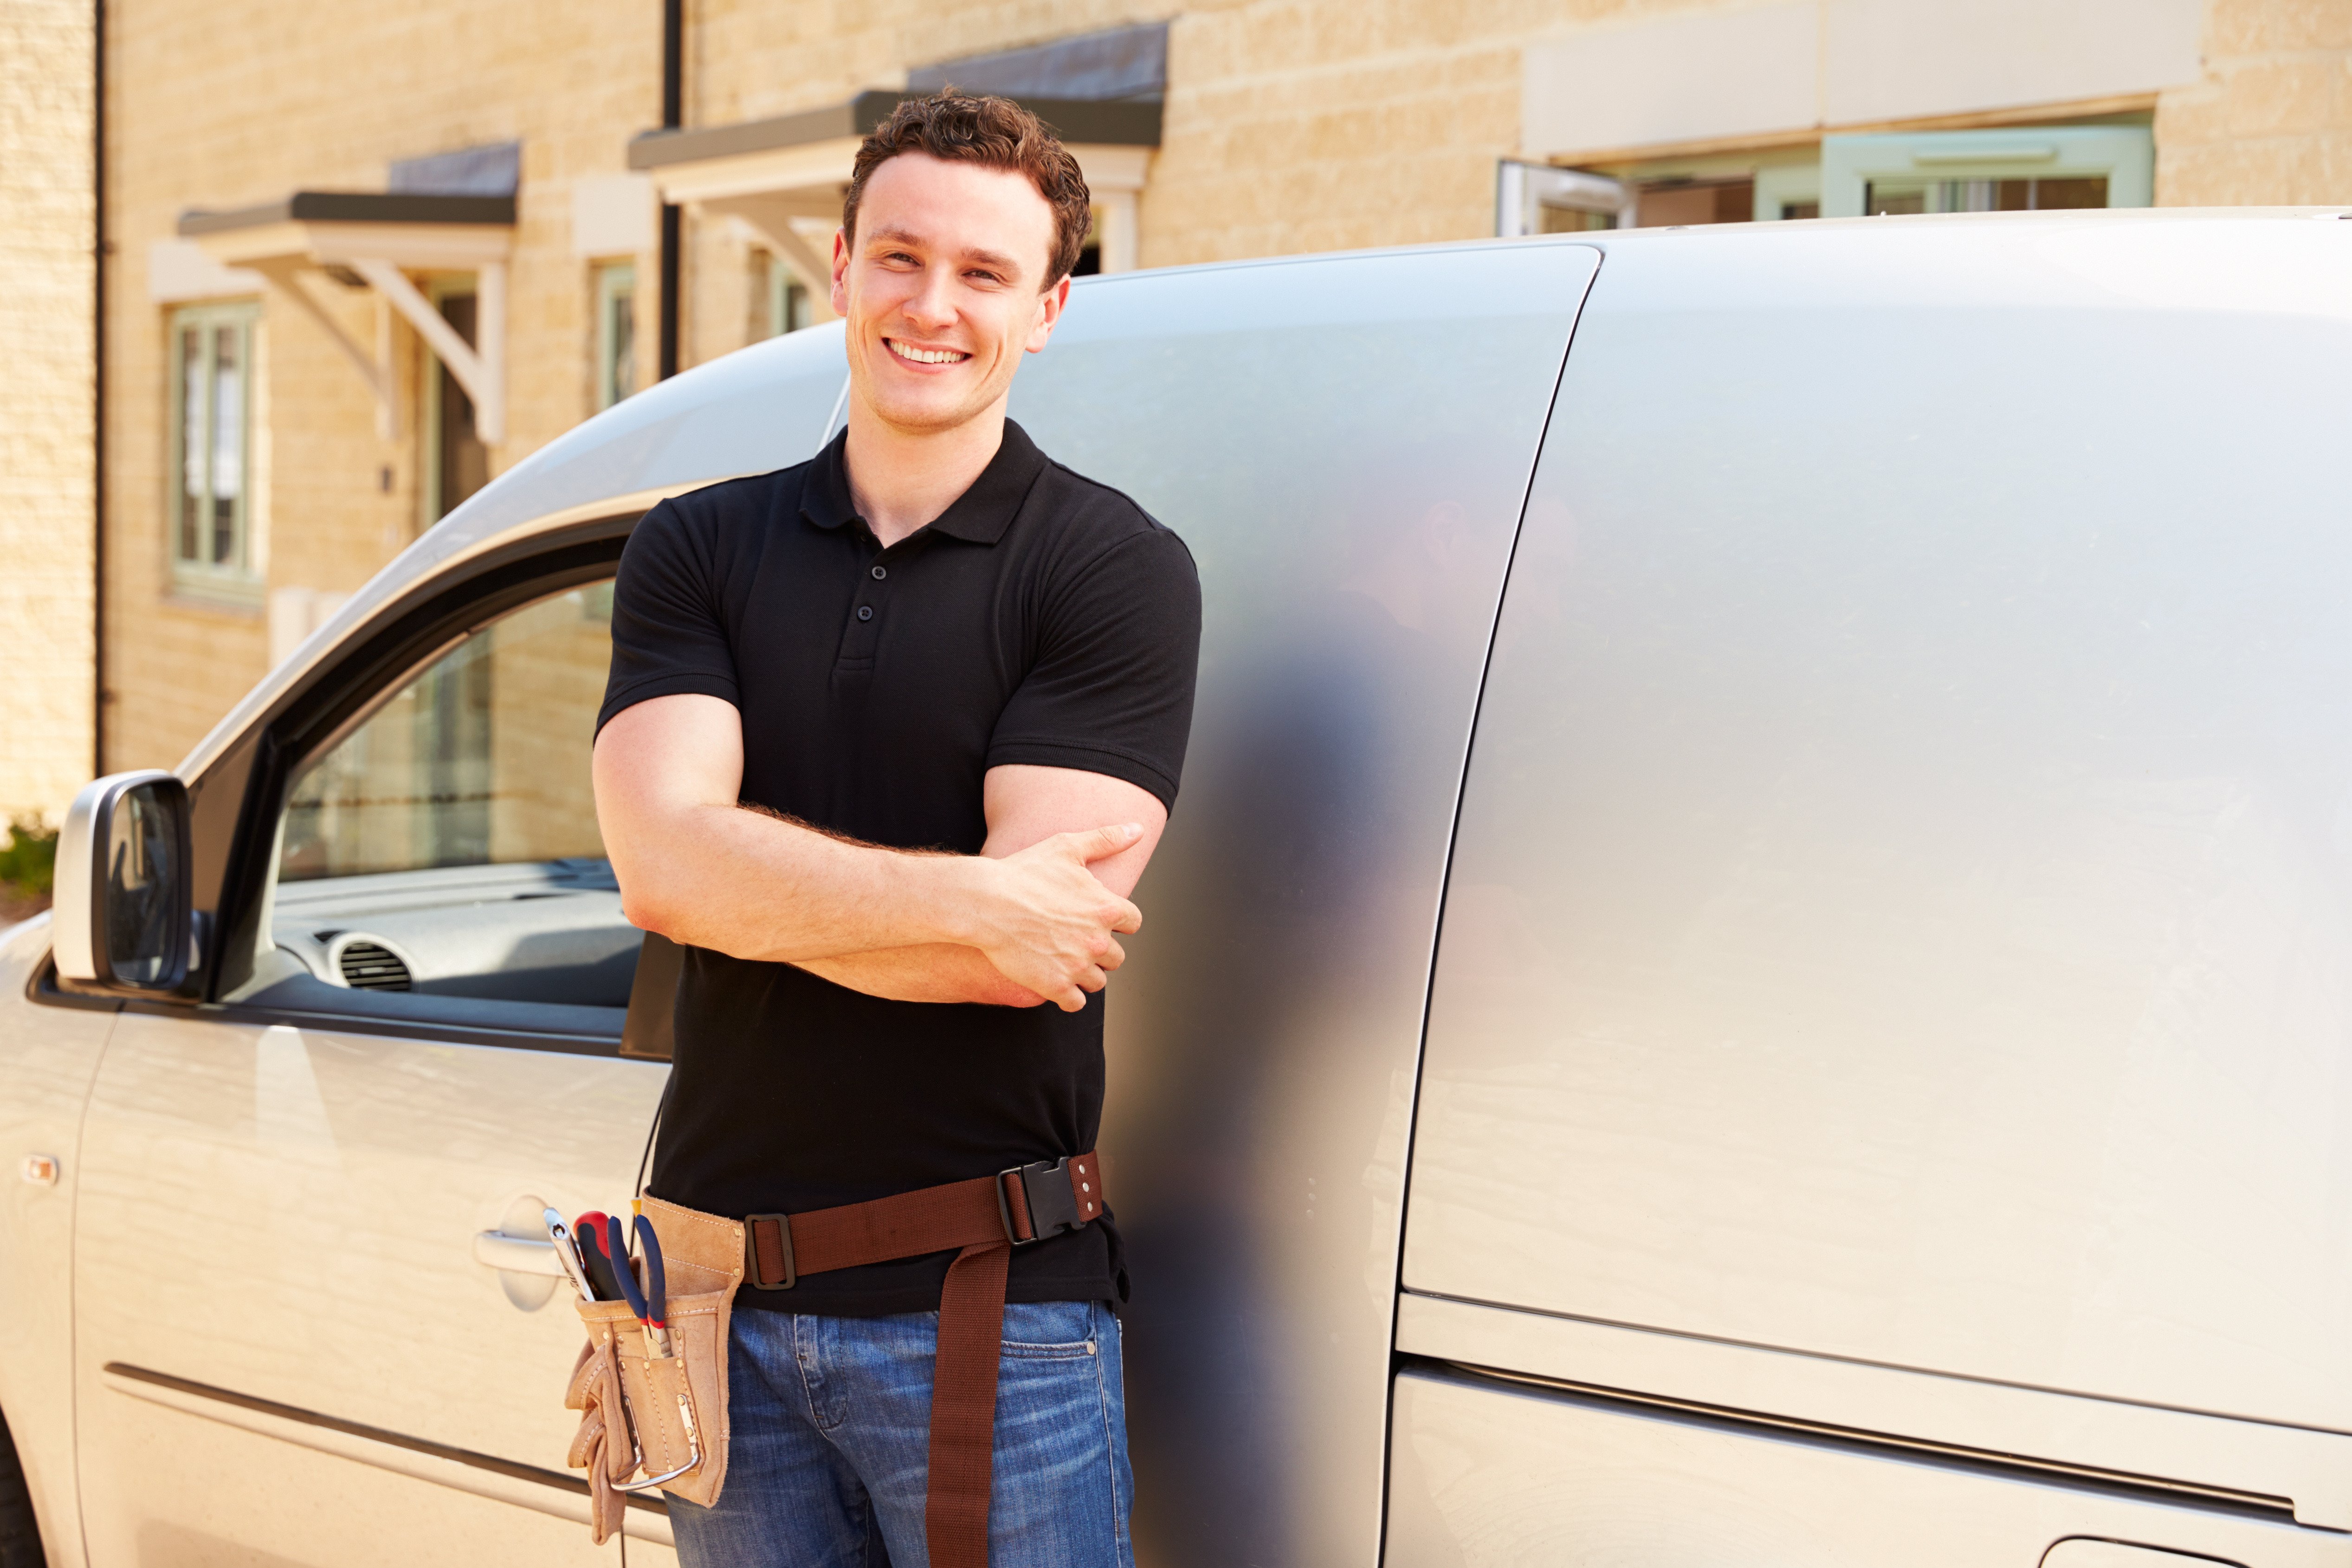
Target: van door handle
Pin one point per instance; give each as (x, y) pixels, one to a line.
(516, 1254)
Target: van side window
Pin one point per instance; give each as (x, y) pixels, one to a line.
(446, 846)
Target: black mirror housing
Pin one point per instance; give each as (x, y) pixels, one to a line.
(121, 908)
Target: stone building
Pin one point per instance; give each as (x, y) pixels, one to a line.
(47, 407)
(362, 257)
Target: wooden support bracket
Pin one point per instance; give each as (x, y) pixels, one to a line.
(481, 372)
(374, 370)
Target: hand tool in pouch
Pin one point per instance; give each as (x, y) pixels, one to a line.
(648, 1303)
(656, 1286)
(567, 1254)
(604, 1272)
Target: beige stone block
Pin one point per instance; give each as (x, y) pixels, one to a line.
(2193, 115)
(2252, 26)
(2269, 97)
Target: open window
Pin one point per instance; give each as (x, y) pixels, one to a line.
(437, 857)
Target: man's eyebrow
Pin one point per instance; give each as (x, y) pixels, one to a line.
(1001, 263)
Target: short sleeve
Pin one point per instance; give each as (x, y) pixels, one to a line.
(1111, 688)
(669, 629)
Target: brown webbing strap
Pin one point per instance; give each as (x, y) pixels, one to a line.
(963, 1408)
(963, 1215)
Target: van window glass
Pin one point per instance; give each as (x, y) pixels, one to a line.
(448, 844)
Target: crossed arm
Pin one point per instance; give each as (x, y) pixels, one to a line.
(1033, 917)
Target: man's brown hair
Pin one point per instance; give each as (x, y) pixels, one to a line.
(997, 133)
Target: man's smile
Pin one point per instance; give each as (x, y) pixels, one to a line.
(913, 355)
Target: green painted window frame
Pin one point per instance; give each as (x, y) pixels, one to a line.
(2124, 155)
(201, 569)
(1783, 185)
(616, 290)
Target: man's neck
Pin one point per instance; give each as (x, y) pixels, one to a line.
(902, 480)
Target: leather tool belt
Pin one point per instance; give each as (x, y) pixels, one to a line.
(981, 1220)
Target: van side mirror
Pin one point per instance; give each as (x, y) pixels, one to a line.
(119, 906)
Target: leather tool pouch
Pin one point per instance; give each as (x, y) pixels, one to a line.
(649, 1421)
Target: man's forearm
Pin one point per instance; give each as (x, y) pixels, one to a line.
(938, 972)
(755, 885)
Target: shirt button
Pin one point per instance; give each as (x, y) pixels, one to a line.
(866, 612)
(880, 572)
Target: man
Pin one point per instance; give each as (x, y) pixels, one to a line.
(889, 739)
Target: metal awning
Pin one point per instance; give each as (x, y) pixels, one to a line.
(786, 176)
(380, 238)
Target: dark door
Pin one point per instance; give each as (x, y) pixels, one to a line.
(461, 464)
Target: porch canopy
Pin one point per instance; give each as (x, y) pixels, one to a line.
(378, 240)
(785, 177)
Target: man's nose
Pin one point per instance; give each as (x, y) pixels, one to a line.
(933, 305)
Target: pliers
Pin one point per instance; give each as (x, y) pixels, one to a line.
(652, 1303)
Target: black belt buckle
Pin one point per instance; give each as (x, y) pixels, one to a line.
(1053, 1204)
(756, 1230)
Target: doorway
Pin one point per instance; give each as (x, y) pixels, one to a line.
(457, 464)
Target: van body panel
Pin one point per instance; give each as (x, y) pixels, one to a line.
(1904, 881)
(1344, 447)
(2309, 1471)
(1487, 1474)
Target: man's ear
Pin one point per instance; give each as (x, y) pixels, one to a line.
(1049, 311)
(840, 273)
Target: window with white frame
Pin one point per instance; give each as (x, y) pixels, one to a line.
(616, 333)
(212, 443)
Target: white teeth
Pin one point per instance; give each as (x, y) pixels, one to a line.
(926, 356)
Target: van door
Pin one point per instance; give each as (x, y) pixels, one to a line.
(316, 1320)
(1894, 972)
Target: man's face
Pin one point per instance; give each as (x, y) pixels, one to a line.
(941, 289)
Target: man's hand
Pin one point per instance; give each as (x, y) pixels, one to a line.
(1049, 924)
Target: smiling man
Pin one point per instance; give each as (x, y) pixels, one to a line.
(889, 739)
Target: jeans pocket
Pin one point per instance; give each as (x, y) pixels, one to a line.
(1049, 1331)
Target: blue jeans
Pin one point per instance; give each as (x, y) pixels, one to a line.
(830, 1439)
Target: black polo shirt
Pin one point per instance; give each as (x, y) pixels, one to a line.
(1041, 618)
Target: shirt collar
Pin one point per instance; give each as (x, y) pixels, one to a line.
(979, 515)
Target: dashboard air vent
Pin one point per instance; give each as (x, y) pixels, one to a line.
(369, 966)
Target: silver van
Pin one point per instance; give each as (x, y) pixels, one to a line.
(1754, 966)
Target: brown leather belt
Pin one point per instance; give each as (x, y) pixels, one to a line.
(985, 1218)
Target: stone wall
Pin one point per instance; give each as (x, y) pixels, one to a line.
(2272, 122)
(219, 108)
(46, 230)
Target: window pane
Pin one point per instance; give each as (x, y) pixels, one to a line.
(2064, 194)
(192, 445)
(449, 845)
(1573, 221)
(1723, 202)
(481, 759)
(1887, 197)
(621, 327)
(228, 442)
